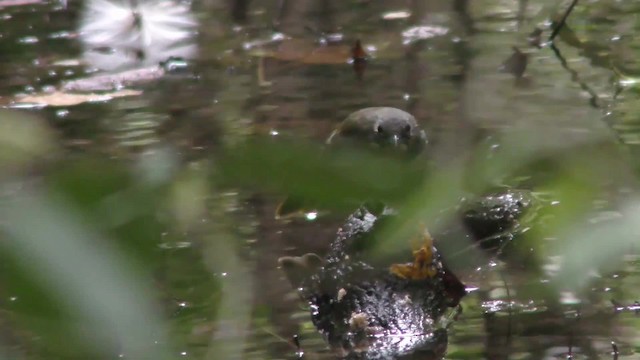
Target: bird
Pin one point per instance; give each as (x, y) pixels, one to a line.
(386, 130)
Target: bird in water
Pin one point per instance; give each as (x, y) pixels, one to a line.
(382, 127)
(385, 131)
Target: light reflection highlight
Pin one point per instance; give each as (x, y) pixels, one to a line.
(118, 35)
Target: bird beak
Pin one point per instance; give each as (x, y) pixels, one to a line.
(395, 140)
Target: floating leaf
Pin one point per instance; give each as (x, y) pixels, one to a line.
(59, 98)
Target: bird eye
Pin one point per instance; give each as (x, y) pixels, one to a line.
(407, 129)
(379, 129)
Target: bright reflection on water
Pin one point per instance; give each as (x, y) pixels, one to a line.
(122, 34)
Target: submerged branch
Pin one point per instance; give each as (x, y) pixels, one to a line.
(594, 100)
(563, 20)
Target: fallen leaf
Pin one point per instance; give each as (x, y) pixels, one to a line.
(311, 53)
(59, 98)
(113, 81)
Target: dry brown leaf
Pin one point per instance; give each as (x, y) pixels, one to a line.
(311, 53)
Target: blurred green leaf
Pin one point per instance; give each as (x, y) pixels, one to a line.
(586, 249)
(111, 199)
(24, 138)
(96, 284)
(330, 179)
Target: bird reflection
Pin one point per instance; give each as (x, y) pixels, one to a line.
(122, 34)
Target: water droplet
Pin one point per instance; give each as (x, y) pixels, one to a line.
(335, 37)
(48, 89)
(28, 40)
(27, 106)
(569, 298)
(396, 15)
(422, 32)
(175, 245)
(61, 35)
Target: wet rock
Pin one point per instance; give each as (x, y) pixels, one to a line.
(370, 312)
(495, 219)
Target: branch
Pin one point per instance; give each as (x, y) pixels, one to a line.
(560, 25)
(594, 100)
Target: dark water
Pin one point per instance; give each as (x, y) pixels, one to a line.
(281, 69)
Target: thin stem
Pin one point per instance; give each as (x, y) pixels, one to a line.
(562, 22)
(594, 99)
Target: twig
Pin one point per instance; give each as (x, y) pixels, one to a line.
(594, 100)
(560, 25)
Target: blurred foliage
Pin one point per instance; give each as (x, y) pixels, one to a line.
(24, 139)
(101, 256)
(88, 257)
(330, 178)
(87, 200)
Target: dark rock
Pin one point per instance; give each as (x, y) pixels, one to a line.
(494, 219)
(375, 313)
